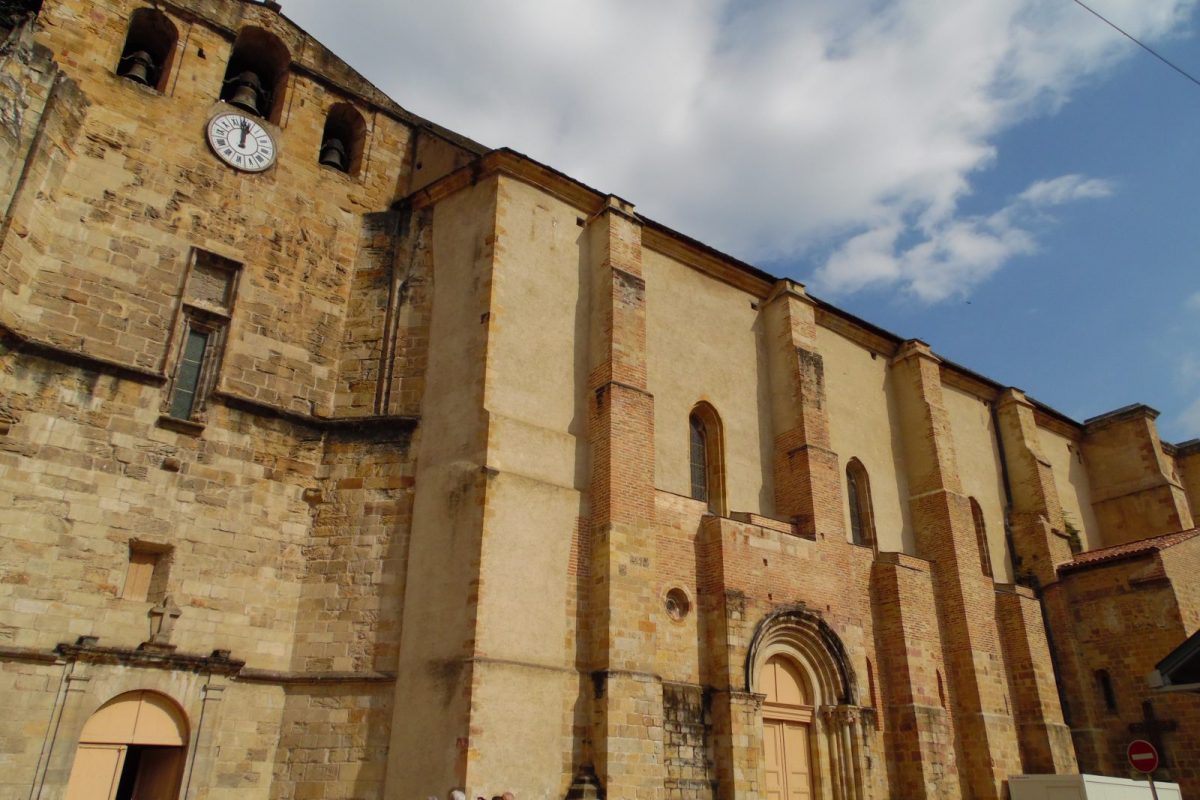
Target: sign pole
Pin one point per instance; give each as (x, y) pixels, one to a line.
(1144, 758)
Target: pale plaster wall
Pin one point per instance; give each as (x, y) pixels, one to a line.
(537, 446)
(704, 342)
(979, 469)
(537, 360)
(431, 712)
(537, 425)
(1071, 480)
(520, 712)
(864, 424)
(525, 678)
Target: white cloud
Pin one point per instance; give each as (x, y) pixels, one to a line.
(771, 129)
(1064, 189)
(1193, 302)
(955, 252)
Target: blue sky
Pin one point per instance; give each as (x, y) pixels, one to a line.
(1010, 180)
(1107, 311)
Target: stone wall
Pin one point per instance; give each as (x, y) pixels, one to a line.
(429, 527)
(280, 536)
(1127, 613)
(687, 743)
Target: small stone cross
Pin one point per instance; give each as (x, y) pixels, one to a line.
(162, 621)
(1153, 729)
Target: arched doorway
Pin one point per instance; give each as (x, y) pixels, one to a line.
(132, 748)
(817, 741)
(787, 717)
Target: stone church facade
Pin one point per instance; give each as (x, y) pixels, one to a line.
(343, 457)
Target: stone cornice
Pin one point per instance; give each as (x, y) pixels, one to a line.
(703, 259)
(87, 650)
(276, 677)
(1051, 420)
(874, 339)
(1123, 414)
(219, 662)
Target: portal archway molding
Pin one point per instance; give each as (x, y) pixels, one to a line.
(839, 737)
(803, 635)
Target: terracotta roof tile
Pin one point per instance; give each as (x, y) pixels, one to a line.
(1128, 550)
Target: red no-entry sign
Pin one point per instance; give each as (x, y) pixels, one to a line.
(1142, 756)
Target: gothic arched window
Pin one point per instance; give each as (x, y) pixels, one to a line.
(858, 491)
(985, 555)
(706, 457)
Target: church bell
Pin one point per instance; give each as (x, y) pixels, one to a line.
(138, 67)
(333, 153)
(246, 92)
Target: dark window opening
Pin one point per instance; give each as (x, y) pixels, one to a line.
(150, 772)
(985, 554)
(707, 457)
(13, 12)
(207, 304)
(187, 381)
(149, 49)
(699, 460)
(858, 491)
(1106, 690)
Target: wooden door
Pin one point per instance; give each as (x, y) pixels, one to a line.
(134, 746)
(785, 752)
(786, 717)
(773, 755)
(96, 772)
(795, 759)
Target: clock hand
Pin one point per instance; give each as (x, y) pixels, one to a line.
(245, 126)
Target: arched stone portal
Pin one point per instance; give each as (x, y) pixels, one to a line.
(816, 743)
(132, 748)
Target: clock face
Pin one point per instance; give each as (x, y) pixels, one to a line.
(241, 142)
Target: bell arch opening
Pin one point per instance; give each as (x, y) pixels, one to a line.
(149, 50)
(342, 140)
(132, 748)
(256, 77)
